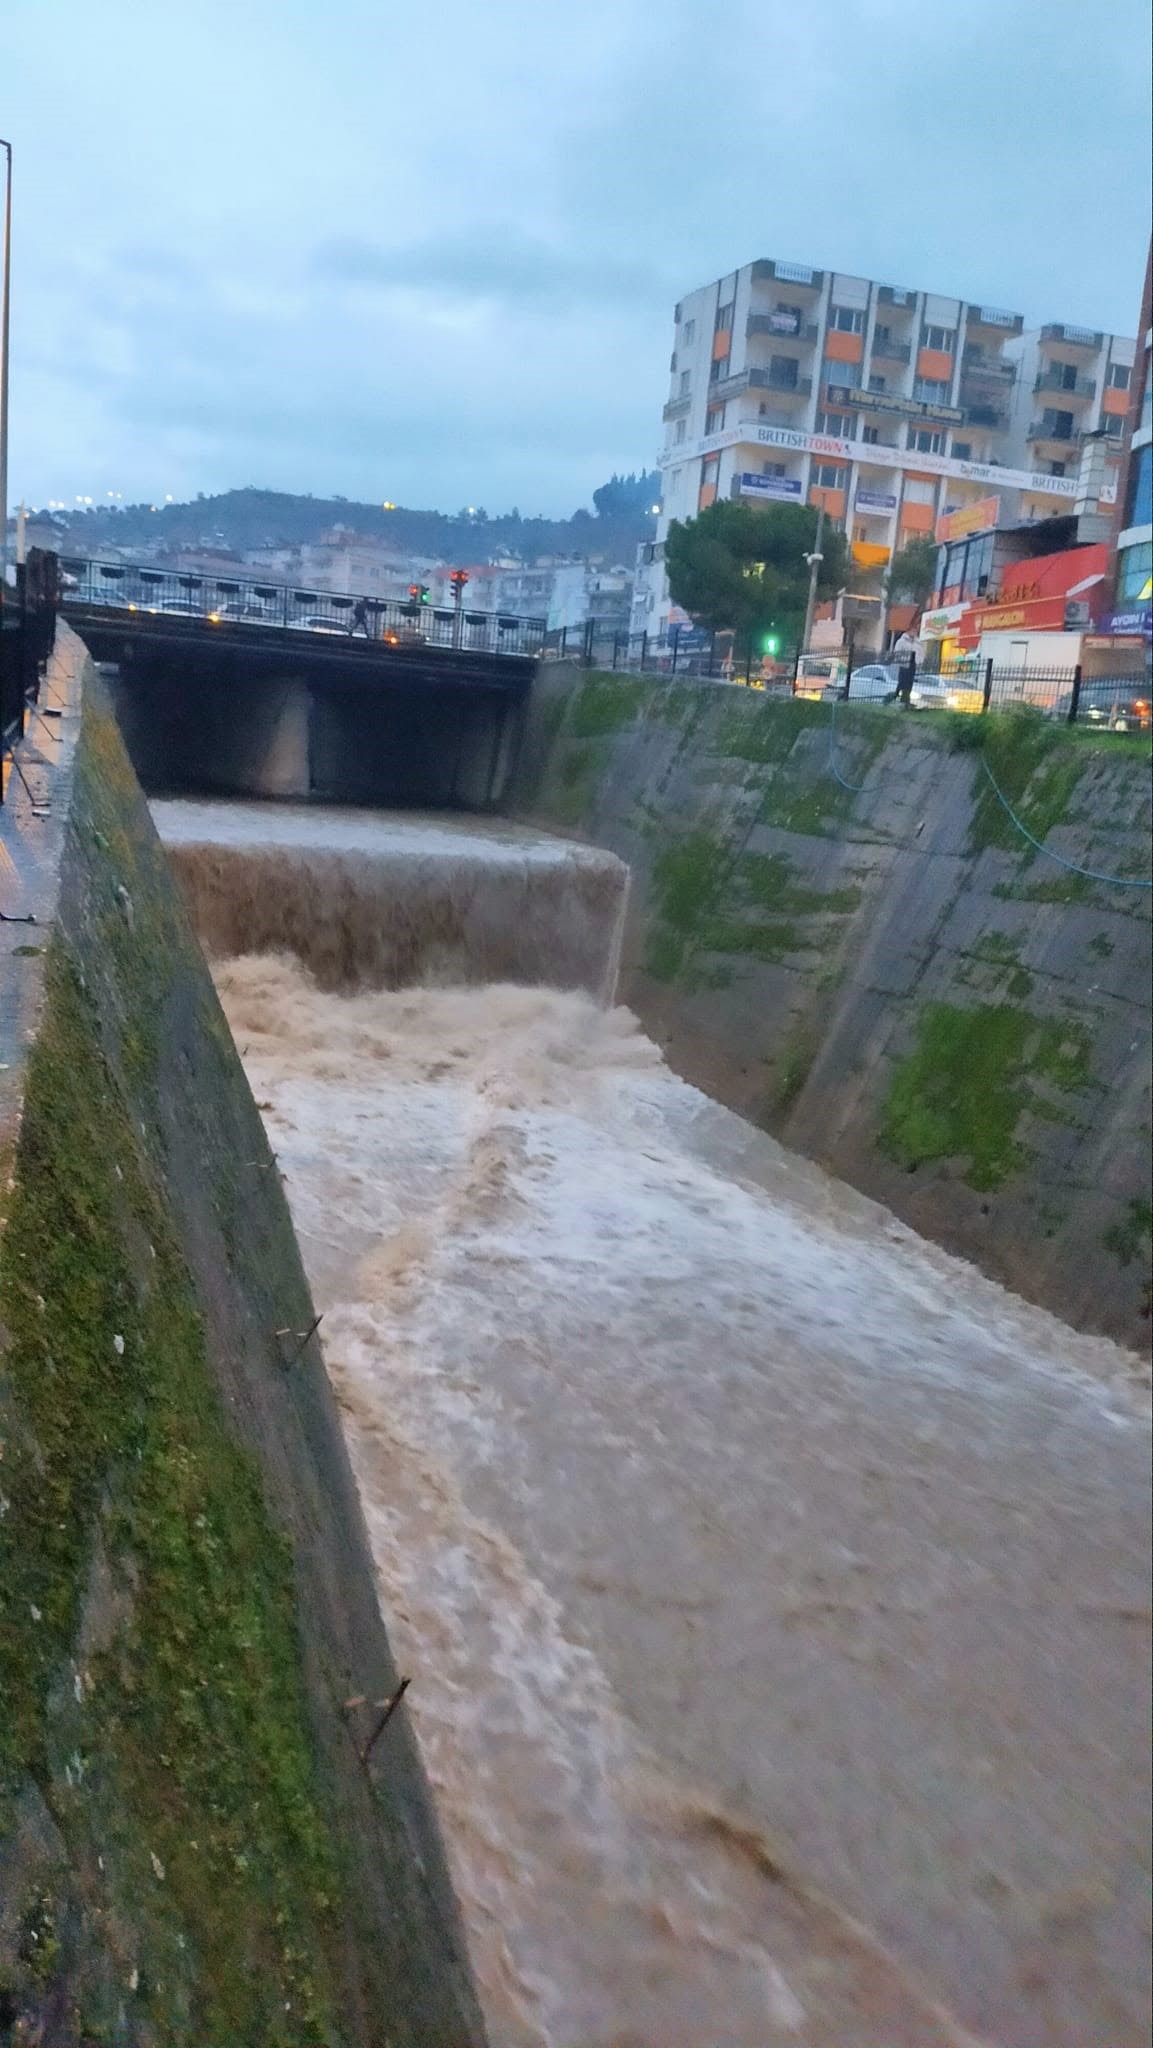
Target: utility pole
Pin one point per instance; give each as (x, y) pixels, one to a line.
(5, 329)
(814, 561)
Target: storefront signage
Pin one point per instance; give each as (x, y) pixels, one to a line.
(903, 408)
(876, 501)
(1042, 613)
(979, 517)
(1138, 619)
(750, 433)
(771, 486)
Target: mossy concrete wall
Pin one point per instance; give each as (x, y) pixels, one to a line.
(191, 1850)
(887, 975)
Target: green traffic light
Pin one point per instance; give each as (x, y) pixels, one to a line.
(770, 644)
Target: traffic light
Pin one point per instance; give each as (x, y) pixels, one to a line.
(418, 593)
(771, 644)
(458, 578)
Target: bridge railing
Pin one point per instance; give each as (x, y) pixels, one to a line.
(222, 600)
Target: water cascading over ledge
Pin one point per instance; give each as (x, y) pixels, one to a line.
(366, 900)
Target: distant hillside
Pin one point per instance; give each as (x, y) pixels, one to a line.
(253, 518)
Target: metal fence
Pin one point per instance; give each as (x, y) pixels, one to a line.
(1117, 702)
(27, 629)
(243, 603)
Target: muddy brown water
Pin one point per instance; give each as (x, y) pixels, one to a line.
(773, 1586)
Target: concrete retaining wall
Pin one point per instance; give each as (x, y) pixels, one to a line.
(889, 977)
(191, 1850)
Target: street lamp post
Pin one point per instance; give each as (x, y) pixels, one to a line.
(814, 561)
(5, 325)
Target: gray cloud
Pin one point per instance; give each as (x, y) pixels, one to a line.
(436, 261)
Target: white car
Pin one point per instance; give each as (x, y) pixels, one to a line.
(315, 622)
(873, 682)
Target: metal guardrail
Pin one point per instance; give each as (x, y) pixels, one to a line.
(222, 601)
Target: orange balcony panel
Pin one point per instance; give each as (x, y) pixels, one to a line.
(833, 501)
(706, 496)
(843, 348)
(1116, 402)
(722, 342)
(917, 519)
(901, 616)
(936, 363)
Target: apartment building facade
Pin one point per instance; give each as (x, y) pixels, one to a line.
(889, 406)
(1132, 589)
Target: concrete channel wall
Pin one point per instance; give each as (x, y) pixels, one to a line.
(887, 975)
(192, 1850)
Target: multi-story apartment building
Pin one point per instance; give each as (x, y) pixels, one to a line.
(1070, 382)
(1132, 588)
(889, 406)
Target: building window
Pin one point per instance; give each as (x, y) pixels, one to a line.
(773, 469)
(828, 475)
(926, 440)
(689, 333)
(1134, 568)
(872, 435)
(847, 319)
(930, 391)
(1139, 498)
(718, 368)
(941, 338)
(673, 362)
(1056, 426)
(710, 469)
(919, 490)
(962, 451)
(680, 431)
(1114, 425)
(1119, 375)
(725, 318)
(783, 372)
(1056, 469)
(714, 419)
(795, 313)
(877, 384)
(686, 383)
(839, 424)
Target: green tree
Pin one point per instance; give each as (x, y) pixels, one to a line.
(743, 568)
(913, 575)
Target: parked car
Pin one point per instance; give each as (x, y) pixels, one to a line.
(947, 693)
(874, 682)
(316, 622)
(1113, 704)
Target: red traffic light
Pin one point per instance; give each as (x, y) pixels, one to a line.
(414, 591)
(458, 579)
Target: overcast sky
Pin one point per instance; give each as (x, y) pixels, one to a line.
(430, 253)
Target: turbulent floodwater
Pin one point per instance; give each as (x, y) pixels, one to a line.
(772, 1586)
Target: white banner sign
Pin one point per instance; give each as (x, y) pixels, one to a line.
(751, 434)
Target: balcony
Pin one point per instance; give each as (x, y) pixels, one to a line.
(891, 351)
(975, 363)
(1052, 430)
(1072, 337)
(796, 275)
(760, 380)
(1052, 378)
(895, 295)
(781, 327)
(980, 414)
(992, 317)
(677, 408)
